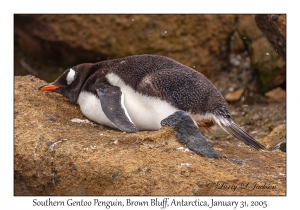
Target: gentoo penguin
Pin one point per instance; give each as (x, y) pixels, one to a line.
(138, 92)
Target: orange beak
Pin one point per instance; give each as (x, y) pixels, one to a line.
(48, 87)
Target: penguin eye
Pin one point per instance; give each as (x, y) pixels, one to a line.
(70, 76)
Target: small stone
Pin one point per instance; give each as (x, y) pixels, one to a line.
(49, 143)
(74, 169)
(199, 184)
(281, 146)
(277, 94)
(51, 117)
(235, 95)
(114, 142)
(167, 150)
(196, 191)
(114, 175)
(147, 169)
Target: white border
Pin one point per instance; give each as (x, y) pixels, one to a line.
(8, 201)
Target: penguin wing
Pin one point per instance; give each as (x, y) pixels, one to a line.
(112, 102)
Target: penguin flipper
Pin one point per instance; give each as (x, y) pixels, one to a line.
(112, 102)
(187, 133)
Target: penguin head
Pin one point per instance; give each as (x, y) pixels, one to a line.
(69, 84)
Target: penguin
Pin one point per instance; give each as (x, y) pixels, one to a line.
(136, 93)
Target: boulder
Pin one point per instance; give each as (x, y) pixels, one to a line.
(267, 62)
(274, 27)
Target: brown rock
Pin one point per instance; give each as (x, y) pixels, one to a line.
(266, 61)
(62, 157)
(235, 95)
(274, 27)
(276, 94)
(247, 28)
(194, 40)
(275, 137)
(271, 68)
(211, 44)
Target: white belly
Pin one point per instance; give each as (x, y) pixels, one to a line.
(90, 107)
(146, 113)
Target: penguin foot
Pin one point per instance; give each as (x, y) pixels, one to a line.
(187, 133)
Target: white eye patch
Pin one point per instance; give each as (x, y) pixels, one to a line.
(70, 76)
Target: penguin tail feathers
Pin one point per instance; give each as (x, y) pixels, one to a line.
(236, 131)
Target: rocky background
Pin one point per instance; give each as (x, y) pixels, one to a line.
(57, 153)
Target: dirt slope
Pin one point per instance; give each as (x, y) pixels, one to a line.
(55, 156)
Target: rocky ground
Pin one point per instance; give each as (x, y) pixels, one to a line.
(56, 153)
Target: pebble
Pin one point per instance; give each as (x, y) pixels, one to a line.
(281, 146)
(167, 150)
(199, 184)
(277, 94)
(51, 117)
(186, 164)
(196, 191)
(114, 176)
(235, 95)
(49, 143)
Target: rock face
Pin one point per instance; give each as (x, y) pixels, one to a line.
(212, 44)
(274, 27)
(271, 74)
(55, 154)
(90, 38)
